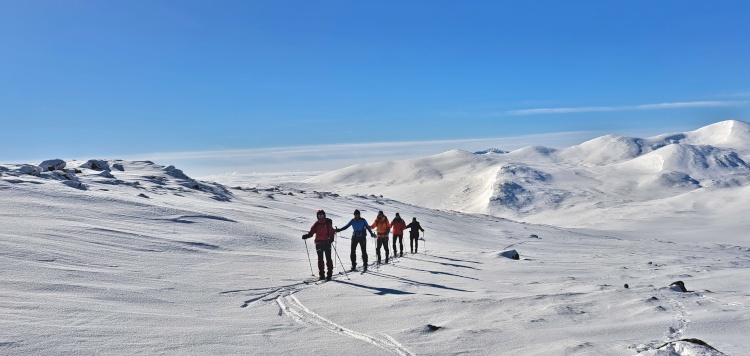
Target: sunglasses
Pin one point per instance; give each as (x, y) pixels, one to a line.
(321, 215)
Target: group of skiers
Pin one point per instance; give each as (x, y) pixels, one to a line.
(324, 233)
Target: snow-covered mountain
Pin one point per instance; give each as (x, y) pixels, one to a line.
(120, 257)
(611, 182)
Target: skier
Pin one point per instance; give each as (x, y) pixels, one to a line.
(359, 237)
(414, 234)
(324, 233)
(399, 226)
(384, 226)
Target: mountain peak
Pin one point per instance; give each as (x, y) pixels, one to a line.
(724, 133)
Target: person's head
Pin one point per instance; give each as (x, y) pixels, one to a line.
(380, 214)
(356, 213)
(414, 219)
(398, 216)
(321, 215)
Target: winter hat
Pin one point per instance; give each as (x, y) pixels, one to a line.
(321, 212)
(398, 216)
(356, 211)
(380, 212)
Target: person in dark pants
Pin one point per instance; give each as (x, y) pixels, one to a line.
(414, 234)
(384, 228)
(398, 226)
(359, 237)
(324, 233)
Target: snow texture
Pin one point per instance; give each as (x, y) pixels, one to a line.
(120, 257)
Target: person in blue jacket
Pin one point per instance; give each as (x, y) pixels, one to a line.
(359, 237)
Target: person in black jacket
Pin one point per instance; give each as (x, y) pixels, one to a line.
(414, 234)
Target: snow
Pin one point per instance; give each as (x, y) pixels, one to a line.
(611, 183)
(131, 257)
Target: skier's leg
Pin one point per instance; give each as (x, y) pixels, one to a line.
(378, 244)
(329, 261)
(363, 244)
(353, 254)
(321, 264)
(385, 245)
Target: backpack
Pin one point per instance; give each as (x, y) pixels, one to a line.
(361, 233)
(329, 225)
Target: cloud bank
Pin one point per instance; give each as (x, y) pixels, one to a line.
(330, 157)
(677, 105)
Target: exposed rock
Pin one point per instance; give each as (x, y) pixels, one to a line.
(678, 286)
(491, 151)
(97, 165)
(689, 346)
(119, 167)
(143, 196)
(512, 254)
(512, 194)
(433, 327)
(626, 286)
(177, 173)
(31, 170)
(52, 165)
(106, 174)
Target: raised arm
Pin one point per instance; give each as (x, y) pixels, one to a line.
(345, 227)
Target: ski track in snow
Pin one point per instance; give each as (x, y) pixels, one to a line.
(679, 324)
(292, 307)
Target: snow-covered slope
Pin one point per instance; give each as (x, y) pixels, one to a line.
(114, 257)
(600, 183)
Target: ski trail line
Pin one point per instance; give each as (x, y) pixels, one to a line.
(680, 322)
(292, 307)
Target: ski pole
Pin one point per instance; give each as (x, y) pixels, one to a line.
(425, 243)
(308, 260)
(337, 256)
(375, 245)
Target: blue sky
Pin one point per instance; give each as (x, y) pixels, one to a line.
(120, 79)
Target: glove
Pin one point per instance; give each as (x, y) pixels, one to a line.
(337, 230)
(305, 236)
(372, 234)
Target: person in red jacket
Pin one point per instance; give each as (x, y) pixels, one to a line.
(398, 226)
(324, 233)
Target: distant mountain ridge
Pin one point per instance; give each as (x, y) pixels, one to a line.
(609, 177)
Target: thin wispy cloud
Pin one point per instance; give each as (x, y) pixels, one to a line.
(660, 106)
(331, 157)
